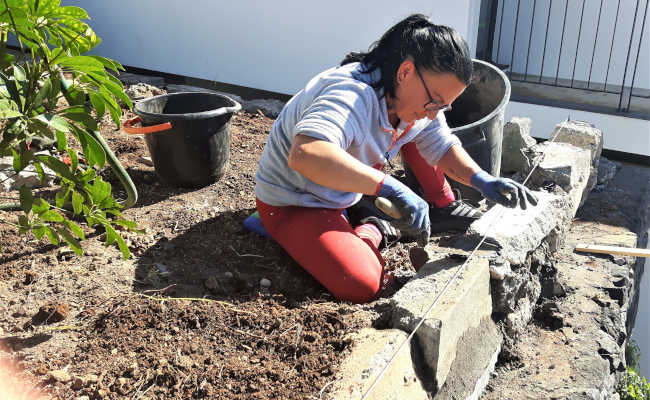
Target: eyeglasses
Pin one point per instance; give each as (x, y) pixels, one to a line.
(432, 105)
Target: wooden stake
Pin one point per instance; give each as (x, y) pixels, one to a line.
(623, 251)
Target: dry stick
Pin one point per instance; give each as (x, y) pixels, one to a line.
(453, 278)
(295, 346)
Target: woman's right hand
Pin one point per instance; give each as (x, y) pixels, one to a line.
(414, 210)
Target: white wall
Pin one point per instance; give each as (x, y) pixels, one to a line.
(619, 133)
(596, 43)
(271, 45)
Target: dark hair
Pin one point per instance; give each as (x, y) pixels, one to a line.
(434, 47)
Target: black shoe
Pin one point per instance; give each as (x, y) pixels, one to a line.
(458, 215)
(389, 234)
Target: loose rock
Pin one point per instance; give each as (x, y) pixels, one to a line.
(51, 313)
(60, 376)
(265, 283)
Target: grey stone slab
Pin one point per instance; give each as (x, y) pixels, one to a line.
(606, 171)
(371, 352)
(462, 307)
(516, 137)
(9, 180)
(133, 79)
(270, 107)
(518, 232)
(585, 136)
(565, 165)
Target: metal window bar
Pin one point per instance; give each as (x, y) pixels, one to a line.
(636, 64)
(583, 78)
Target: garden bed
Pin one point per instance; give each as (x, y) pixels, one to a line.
(233, 339)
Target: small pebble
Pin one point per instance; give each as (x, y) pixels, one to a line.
(60, 376)
(265, 283)
(78, 384)
(228, 275)
(146, 161)
(552, 366)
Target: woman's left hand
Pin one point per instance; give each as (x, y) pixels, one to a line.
(504, 191)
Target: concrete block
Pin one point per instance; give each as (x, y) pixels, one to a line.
(478, 351)
(585, 136)
(370, 353)
(567, 166)
(516, 136)
(517, 232)
(466, 302)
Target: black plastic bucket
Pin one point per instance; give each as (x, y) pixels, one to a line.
(477, 119)
(188, 135)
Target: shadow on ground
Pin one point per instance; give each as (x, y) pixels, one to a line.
(217, 258)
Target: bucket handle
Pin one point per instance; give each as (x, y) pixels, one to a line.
(128, 127)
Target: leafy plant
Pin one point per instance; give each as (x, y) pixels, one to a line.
(52, 94)
(634, 387)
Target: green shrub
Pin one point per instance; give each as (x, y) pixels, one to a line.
(55, 40)
(634, 387)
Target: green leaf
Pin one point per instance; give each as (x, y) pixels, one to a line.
(26, 199)
(108, 63)
(80, 63)
(9, 109)
(12, 90)
(126, 223)
(40, 206)
(98, 103)
(77, 202)
(6, 59)
(57, 166)
(115, 88)
(71, 11)
(42, 94)
(55, 121)
(99, 190)
(61, 140)
(38, 231)
(63, 195)
(39, 170)
(19, 73)
(70, 240)
(22, 159)
(126, 254)
(89, 175)
(111, 235)
(82, 115)
(51, 216)
(52, 235)
(74, 160)
(75, 229)
(93, 151)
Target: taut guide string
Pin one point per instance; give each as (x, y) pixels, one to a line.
(453, 278)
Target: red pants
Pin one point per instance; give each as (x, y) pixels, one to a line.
(340, 257)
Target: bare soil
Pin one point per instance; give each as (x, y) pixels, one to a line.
(186, 316)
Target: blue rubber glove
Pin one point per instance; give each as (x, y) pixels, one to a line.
(414, 210)
(503, 190)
